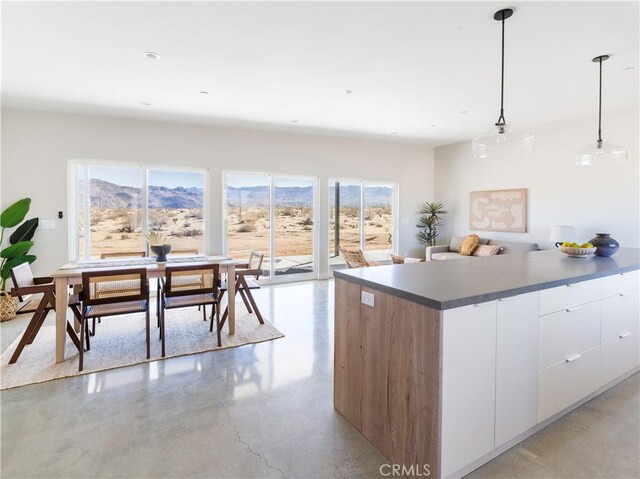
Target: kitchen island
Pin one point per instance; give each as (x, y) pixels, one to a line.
(446, 364)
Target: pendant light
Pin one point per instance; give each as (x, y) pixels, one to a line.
(502, 133)
(601, 149)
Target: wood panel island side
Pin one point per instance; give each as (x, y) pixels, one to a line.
(446, 364)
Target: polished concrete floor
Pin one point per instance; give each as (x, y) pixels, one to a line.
(262, 410)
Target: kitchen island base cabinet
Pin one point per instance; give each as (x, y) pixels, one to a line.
(387, 374)
(452, 388)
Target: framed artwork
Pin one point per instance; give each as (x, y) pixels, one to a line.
(499, 210)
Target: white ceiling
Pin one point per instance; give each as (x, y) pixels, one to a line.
(410, 65)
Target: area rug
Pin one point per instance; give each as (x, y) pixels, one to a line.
(120, 341)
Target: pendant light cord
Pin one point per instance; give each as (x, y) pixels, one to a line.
(501, 120)
(600, 106)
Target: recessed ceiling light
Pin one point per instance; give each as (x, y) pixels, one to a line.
(145, 103)
(464, 112)
(432, 125)
(204, 92)
(629, 68)
(348, 91)
(151, 55)
(394, 133)
(294, 121)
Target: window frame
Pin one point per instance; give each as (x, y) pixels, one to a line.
(72, 191)
(394, 211)
(272, 277)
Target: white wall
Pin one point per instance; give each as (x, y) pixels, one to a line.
(37, 145)
(599, 198)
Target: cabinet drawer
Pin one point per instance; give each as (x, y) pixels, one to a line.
(620, 314)
(620, 283)
(568, 296)
(619, 356)
(561, 385)
(568, 332)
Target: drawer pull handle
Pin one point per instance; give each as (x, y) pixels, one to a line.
(625, 294)
(573, 357)
(509, 298)
(624, 335)
(487, 303)
(569, 310)
(570, 285)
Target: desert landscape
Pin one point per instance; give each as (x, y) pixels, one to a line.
(116, 223)
(118, 230)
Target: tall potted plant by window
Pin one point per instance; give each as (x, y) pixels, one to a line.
(16, 252)
(431, 217)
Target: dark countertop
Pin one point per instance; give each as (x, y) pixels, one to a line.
(460, 282)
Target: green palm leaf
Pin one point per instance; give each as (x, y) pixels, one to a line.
(15, 213)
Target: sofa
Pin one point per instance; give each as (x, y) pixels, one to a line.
(451, 250)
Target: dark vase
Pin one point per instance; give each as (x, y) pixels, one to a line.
(606, 246)
(161, 252)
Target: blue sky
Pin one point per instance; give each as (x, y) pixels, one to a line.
(133, 177)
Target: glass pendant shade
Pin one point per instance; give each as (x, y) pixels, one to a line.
(601, 151)
(503, 136)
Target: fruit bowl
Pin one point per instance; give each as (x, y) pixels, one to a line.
(577, 252)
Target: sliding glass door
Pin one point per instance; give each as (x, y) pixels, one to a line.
(378, 220)
(294, 230)
(361, 216)
(275, 215)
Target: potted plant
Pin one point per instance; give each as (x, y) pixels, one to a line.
(16, 252)
(158, 244)
(429, 221)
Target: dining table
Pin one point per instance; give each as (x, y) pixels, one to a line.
(71, 274)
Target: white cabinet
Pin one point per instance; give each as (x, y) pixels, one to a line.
(620, 283)
(620, 315)
(620, 351)
(468, 384)
(509, 364)
(567, 382)
(516, 366)
(619, 356)
(569, 296)
(568, 332)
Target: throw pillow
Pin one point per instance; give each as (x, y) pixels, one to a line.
(469, 245)
(487, 250)
(455, 243)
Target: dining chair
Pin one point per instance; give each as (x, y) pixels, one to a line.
(397, 259)
(247, 275)
(356, 259)
(175, 295)
(115, 288)
(126, 302)
(26, 284)
(185, 282)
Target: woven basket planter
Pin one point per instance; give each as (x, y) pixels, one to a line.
(8, 306)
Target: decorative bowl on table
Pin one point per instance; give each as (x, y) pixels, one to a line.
(577, 252)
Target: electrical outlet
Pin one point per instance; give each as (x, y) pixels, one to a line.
(46, 225)
(368, 299)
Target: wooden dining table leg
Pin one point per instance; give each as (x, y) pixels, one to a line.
(62, 296)
(231, 297)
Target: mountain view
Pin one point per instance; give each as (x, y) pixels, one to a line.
(303, 196)
(106, 195)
